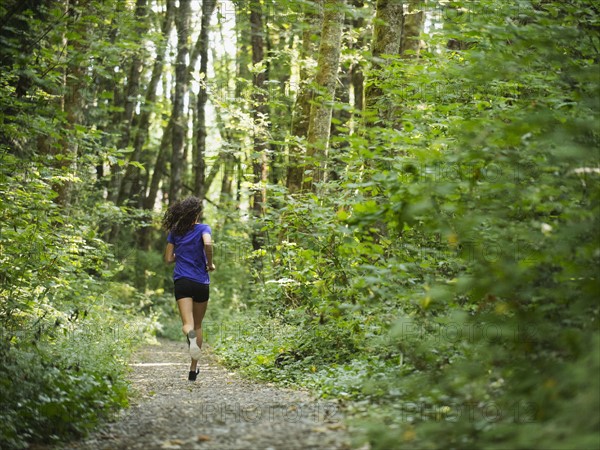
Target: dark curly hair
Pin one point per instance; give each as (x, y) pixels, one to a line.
(181, 217)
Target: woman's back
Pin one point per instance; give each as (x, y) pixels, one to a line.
(190, 261)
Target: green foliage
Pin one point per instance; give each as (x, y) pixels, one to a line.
(68, 316)
(234, 259)
(443, 283)
(66, 384)
(67, 329)
(447, 282)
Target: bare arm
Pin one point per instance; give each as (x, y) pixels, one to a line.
(169, 254)
(208, 250)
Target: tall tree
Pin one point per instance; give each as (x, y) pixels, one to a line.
(159, 170)
(208, 7)
(340, 121)
(356, 69)
(397, 28)
(387, 36)
(73, 98)
(260, 116)
(131, 183)
(134, 76)
(280, 39)
(300, 116)
(178, 117)
(321, 109)
(226, 158)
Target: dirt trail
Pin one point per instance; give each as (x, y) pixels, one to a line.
(218, 411)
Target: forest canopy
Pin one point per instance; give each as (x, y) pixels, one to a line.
(404, 197)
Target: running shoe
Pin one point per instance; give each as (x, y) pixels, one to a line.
(194, 349)
(192, 376)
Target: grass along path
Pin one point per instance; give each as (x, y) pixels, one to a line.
(218, 411)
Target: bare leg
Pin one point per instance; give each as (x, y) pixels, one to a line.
(199, 309)
(186, 313)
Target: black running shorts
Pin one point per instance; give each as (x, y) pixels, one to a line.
(198, 292)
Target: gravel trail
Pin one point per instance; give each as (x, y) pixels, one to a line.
(219, 411)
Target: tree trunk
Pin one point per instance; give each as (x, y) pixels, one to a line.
(133, 79)
(300, 117)
(159, 167)
(159, 171)
(104, 82)
(178, 116)
(260, 115)
(208, 6)
(412, 25)
(339, 126)
(226, 159)
(395, 33)
(226, 195)
(358, 86)
(116, 124)
(131, 183)
(387, 37)
(320, 112)
(73, 105)
(356, 70)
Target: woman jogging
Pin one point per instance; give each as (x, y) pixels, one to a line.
(189, 246)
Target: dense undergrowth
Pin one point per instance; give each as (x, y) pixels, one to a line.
(447, 290)
(68, 325)
(443, 285)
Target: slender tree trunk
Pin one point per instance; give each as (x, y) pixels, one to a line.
(130, 101)
(105, 82)
(243, 61)
(116, 125)
(387, 36)
(410, 46)
(339, 126)
(131, 183)
(240, 177)
(320, 112)
(356, 70)
(358, 86)
(159, 171)
(208, 7)
(73, 105)
(226, 195)
(159, 167)
(271, 150)
(283, 110)
(300, 117)
(260, 113)
(178, 117)
(187, 176)
(243, 54)
(133, 79)
(226, 159)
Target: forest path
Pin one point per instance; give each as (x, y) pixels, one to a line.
(218, 411)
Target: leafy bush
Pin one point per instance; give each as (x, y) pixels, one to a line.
(453, 267)
(67, 329)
